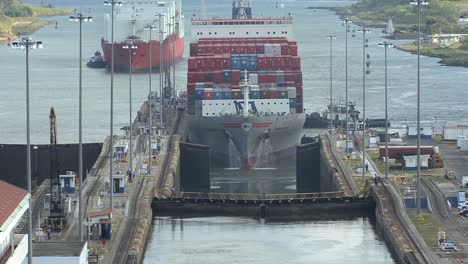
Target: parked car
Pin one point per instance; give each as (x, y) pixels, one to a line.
(463, 205)
(448, 245)
(464, 212)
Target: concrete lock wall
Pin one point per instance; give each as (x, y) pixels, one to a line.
(194, 167)
(327, 169)
(13, 161)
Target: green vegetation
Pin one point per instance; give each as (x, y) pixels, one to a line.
(440, 16)
(427, 226)
(454, 55)
(16, 16)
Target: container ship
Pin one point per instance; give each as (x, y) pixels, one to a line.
(244, 88)
(130, 20)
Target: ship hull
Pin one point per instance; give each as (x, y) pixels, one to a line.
(248, 134)
(141, 55)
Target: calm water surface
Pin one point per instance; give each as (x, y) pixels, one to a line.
(228, 240)
(54, 74)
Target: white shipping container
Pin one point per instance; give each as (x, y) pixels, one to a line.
(291, 92)
(464, 145)
(452, 132)
(411, 161)
(272, 49)
(253, 77)
(436, 149)
(459, 140)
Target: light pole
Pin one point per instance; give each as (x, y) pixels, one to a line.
(130, 48)
(173, 57)
(111, 3)
(80, 18)
(346, 23)
(331, 37)
(364, 45)
(161, 66)
(35, 154)
(418, 3)
(386, 44)
(26, 43)
(150, 28)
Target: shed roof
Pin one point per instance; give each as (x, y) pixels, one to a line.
(100, 213)
(12, 197)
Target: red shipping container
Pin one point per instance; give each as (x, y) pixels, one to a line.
(260, 48)
(208, 95)
(217, 49)
(218, 62)
(299, 86)
(262, 78)
(192, 64)
(209, 63)
(251, 49)
(200, 64)
(298, 77)
(236, 94)
(208, 76)
(218, 77)
(234, 49)
(226, 48)
(292, 43)
(226, 62)
(296, 63)
(235, 76)
(293, 50)
(271, 78)
(191, 88)
(193, 49)
(278, 62)
(287, 61)
(285, 49)
(289, 77)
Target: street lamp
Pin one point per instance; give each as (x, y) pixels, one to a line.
(25, 43)
(150, 28)
(35, 154)
(112, 4)
(418, 3)
(346, 22)
(130, 48)
(161, 65)
(331, 37)
(80, 18)
(386, 44)
(364, 71)
(173, 57)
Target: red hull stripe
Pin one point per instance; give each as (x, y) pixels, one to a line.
(261, 125)
(232, 125)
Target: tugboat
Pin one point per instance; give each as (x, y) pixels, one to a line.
(317, 120)
(97, 61)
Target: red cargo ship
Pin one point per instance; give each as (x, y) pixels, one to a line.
(244, 88)
(129, 27)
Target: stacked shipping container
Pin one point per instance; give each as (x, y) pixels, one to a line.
(215, 68)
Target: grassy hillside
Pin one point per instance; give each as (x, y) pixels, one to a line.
(16, 16)
(440, 16)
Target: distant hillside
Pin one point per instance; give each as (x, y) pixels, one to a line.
(16, 16)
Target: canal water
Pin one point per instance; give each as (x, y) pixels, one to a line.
(54, 74)
(229, 240)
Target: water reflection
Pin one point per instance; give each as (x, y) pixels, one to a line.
(246, 240)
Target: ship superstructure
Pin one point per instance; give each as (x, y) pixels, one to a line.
(244, 88)
(130, 20)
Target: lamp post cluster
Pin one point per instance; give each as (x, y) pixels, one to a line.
(418, 3)
(150, 28)
(346, 23)
(331, 37)
(112, 4)
(365, 64)
(80, 19)
(26, 43)
(130, 48)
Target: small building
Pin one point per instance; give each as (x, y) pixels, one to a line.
(120, 149)
(119, 182)
(14, 203)
(58, 252)
(425, 131)
(67, 182)
(453, 132)
(411, 162)
(445, 40)
(99, 223)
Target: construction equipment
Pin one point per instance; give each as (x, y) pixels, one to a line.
(56, 204)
